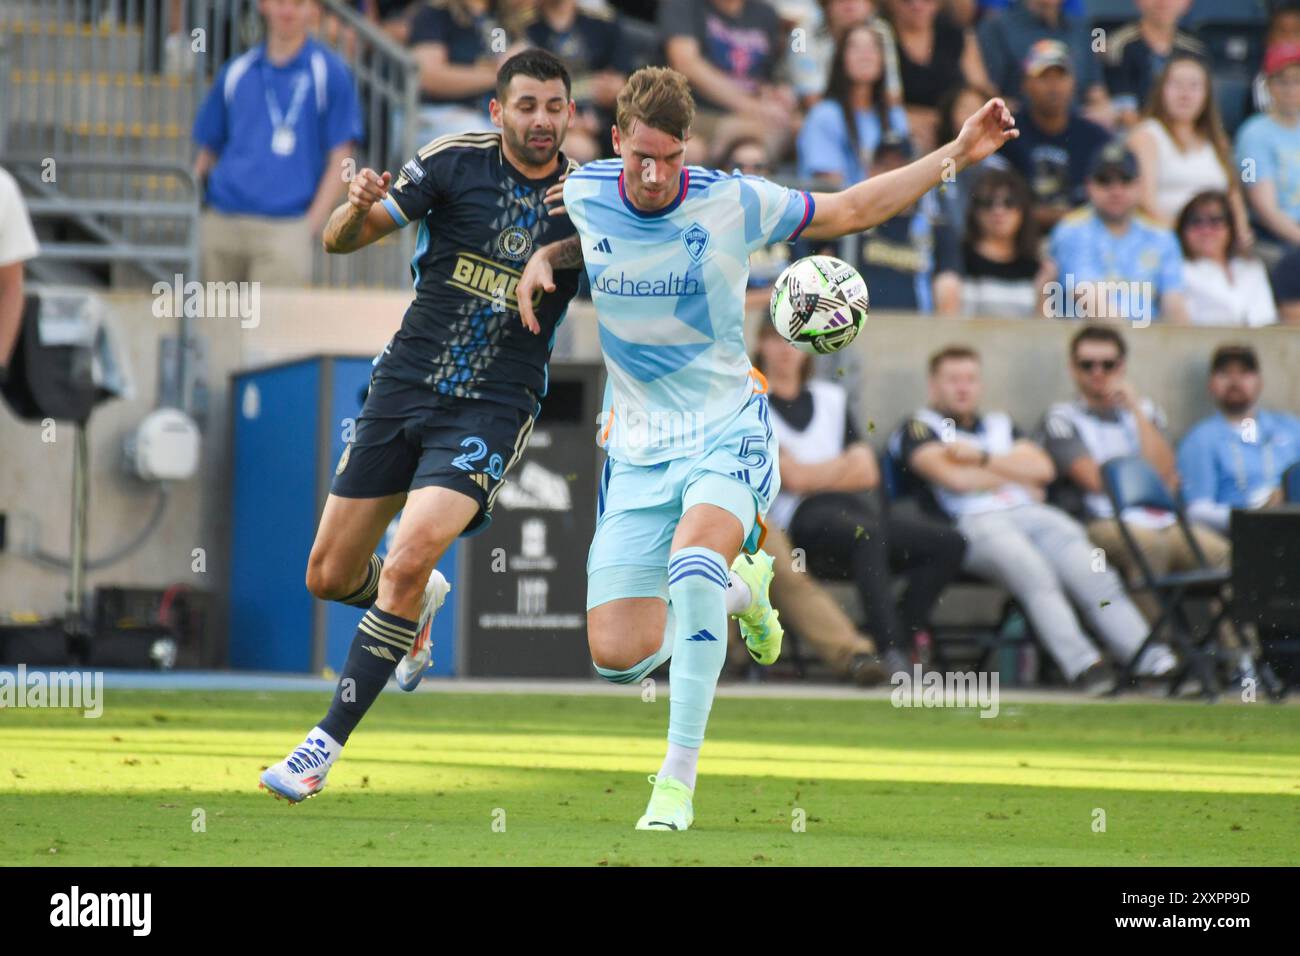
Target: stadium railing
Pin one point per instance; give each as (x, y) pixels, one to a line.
(97, 102)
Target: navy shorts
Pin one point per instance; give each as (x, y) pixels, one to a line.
(408, 437)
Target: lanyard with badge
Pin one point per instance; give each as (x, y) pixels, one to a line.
(283, 138)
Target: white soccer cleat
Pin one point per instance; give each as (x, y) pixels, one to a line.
(302, 773)
(411, 668)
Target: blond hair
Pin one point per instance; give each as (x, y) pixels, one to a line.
(660, 98)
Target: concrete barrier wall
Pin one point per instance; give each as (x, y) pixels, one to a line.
(1024, 365)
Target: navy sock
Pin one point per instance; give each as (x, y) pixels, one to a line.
(364, 596)
(381, 641)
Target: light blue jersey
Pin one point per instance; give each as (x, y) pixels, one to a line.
(1238, 465)
(669, 290)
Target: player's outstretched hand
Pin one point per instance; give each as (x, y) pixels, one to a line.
(537, 275)
(368, 187)
(984, 133)
(554, 198)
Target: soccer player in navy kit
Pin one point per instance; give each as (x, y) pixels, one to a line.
(454, 395)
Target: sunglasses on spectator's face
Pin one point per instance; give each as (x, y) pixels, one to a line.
(1091, 365)
(1207, 222)
(1112, 179)
(992, 202)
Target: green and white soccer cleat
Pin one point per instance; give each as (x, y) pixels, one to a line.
(760, 624)
(669, 807)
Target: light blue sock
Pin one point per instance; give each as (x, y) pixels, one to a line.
(697, 588)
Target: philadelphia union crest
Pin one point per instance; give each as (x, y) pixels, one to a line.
(696, 238)
(514, 242)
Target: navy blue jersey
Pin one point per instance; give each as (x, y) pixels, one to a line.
(479, 219)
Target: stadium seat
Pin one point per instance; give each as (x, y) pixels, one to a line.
(1232, 92)
(1132, 483)
(1291, 484)
(1109, 14)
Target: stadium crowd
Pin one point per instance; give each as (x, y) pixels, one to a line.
(1126, 196)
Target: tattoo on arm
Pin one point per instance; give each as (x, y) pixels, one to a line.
(567, 253)
(344, 227)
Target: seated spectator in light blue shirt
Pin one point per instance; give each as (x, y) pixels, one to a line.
(1268, 150)
(1005, 40)
(272, 135)
(831, 150)
(1235, 459)
(1110, 262)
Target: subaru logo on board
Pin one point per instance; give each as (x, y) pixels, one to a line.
(696, 238)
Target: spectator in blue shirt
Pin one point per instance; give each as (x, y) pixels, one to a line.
(1056, 144)
(1268, 148)
(1005, 41)
(458, 46)
(1109, 262)
(272, 135)
(1235, 459)
(841, 133)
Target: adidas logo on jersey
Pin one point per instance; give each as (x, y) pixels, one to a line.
(602, 246)
(702, 635)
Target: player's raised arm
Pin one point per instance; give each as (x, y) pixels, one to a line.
(362, 219)
(879, 198)
(540, 274)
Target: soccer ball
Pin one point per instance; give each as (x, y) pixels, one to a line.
(819, 304)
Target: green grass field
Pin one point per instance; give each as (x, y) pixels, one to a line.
(428, 775)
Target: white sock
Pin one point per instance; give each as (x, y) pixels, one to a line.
(331, 745)
(739, 597)
(679, 763)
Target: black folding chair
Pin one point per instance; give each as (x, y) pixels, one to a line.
(1132, 483)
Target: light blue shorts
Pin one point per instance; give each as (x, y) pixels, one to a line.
(639, 506)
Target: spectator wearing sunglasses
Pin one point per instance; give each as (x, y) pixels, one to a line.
(1001, 271)
(1223, 286)
(1110, 262)
(1108, 419)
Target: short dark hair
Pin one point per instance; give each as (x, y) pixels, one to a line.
(1098, 333)
(535, 62)
(951, 353)
(1234, 353)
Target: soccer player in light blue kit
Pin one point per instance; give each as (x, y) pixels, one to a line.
(692, 462)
